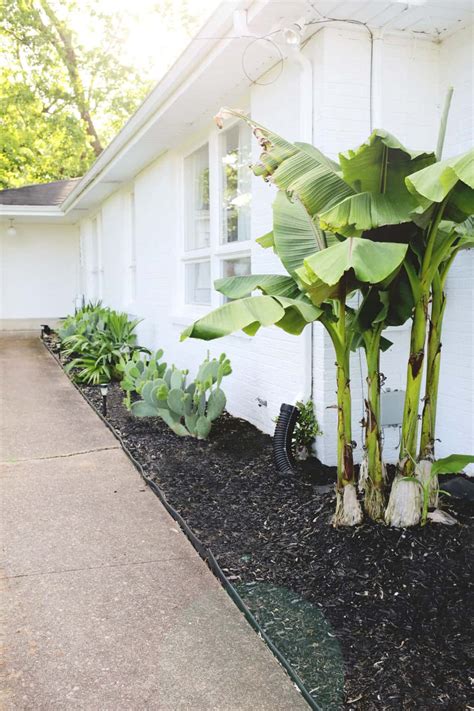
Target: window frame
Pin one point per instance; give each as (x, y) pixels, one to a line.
(217, 251)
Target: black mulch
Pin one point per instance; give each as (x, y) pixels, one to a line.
(372, 618)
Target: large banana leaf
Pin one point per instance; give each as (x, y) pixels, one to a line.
(376, 170)
(299, 168)
(367, 211)
(270, 284)
(371, 262)
(451, 179)
(295, 234)
(250, 314)
(381, 164)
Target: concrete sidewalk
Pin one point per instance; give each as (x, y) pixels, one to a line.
(108, 607)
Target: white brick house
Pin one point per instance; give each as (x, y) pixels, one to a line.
(149, 215)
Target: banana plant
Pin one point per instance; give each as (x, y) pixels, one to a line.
(465, 240)
(444, 192)
(324, 268)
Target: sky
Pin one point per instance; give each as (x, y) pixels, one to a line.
(156, 34)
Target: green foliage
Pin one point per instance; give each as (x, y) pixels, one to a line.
(452, 464)
(65, 88)
(307, 426)
(375, 224)
(188, 409)
(136, 370)
(97, 339)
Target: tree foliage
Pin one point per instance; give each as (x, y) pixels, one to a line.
(65, 90)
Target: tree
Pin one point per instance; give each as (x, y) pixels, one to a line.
(65, 95)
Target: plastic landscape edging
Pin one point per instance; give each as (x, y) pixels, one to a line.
(201, 549)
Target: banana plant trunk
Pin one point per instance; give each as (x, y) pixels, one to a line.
(348, 510)
(374, 481)
(404, 505)
(433, 361)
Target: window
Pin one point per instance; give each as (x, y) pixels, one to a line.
(236, 183)
(197, 204)
(216, 215)
(239, 266)
(198, 282)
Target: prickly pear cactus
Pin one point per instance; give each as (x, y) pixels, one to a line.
(136, 372)
(189, 410)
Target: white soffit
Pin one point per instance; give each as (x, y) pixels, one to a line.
(209, 74)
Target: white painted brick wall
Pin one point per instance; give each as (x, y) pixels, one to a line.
(273, 366)
(39, 271)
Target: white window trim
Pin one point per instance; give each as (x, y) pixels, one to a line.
(216, 251)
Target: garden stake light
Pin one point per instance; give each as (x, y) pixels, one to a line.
(104, 389)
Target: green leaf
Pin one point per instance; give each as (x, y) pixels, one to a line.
(270, 284)
(266, 241)
(452, 464)
(296, 234)
(216, 404)
(250, 314)
(372, 262)
(381, 164)
(179, 429)
(367, 211)
(203, 427)
(452, 178)
(176, 401)
(143, 409)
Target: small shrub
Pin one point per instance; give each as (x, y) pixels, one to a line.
(97, 338)
(189, 410)
(306, 429)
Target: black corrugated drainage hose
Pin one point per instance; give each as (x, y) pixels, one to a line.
(282, 439)
(204, 552)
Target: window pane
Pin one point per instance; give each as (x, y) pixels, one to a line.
(235, 267)
(236, 184)
(198, 283)
(196, 179)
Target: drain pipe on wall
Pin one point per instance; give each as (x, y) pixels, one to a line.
(306, 134)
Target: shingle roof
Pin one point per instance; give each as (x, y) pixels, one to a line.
(40, 194)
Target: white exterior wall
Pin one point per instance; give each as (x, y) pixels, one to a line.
(39, 277)
(455, 427)
(407, 97)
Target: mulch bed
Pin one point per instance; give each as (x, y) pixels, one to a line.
(372, 618)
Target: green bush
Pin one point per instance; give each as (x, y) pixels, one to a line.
(306, 429)
(97, 339)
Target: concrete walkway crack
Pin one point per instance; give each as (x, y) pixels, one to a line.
(102, 566)
(63, 456)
